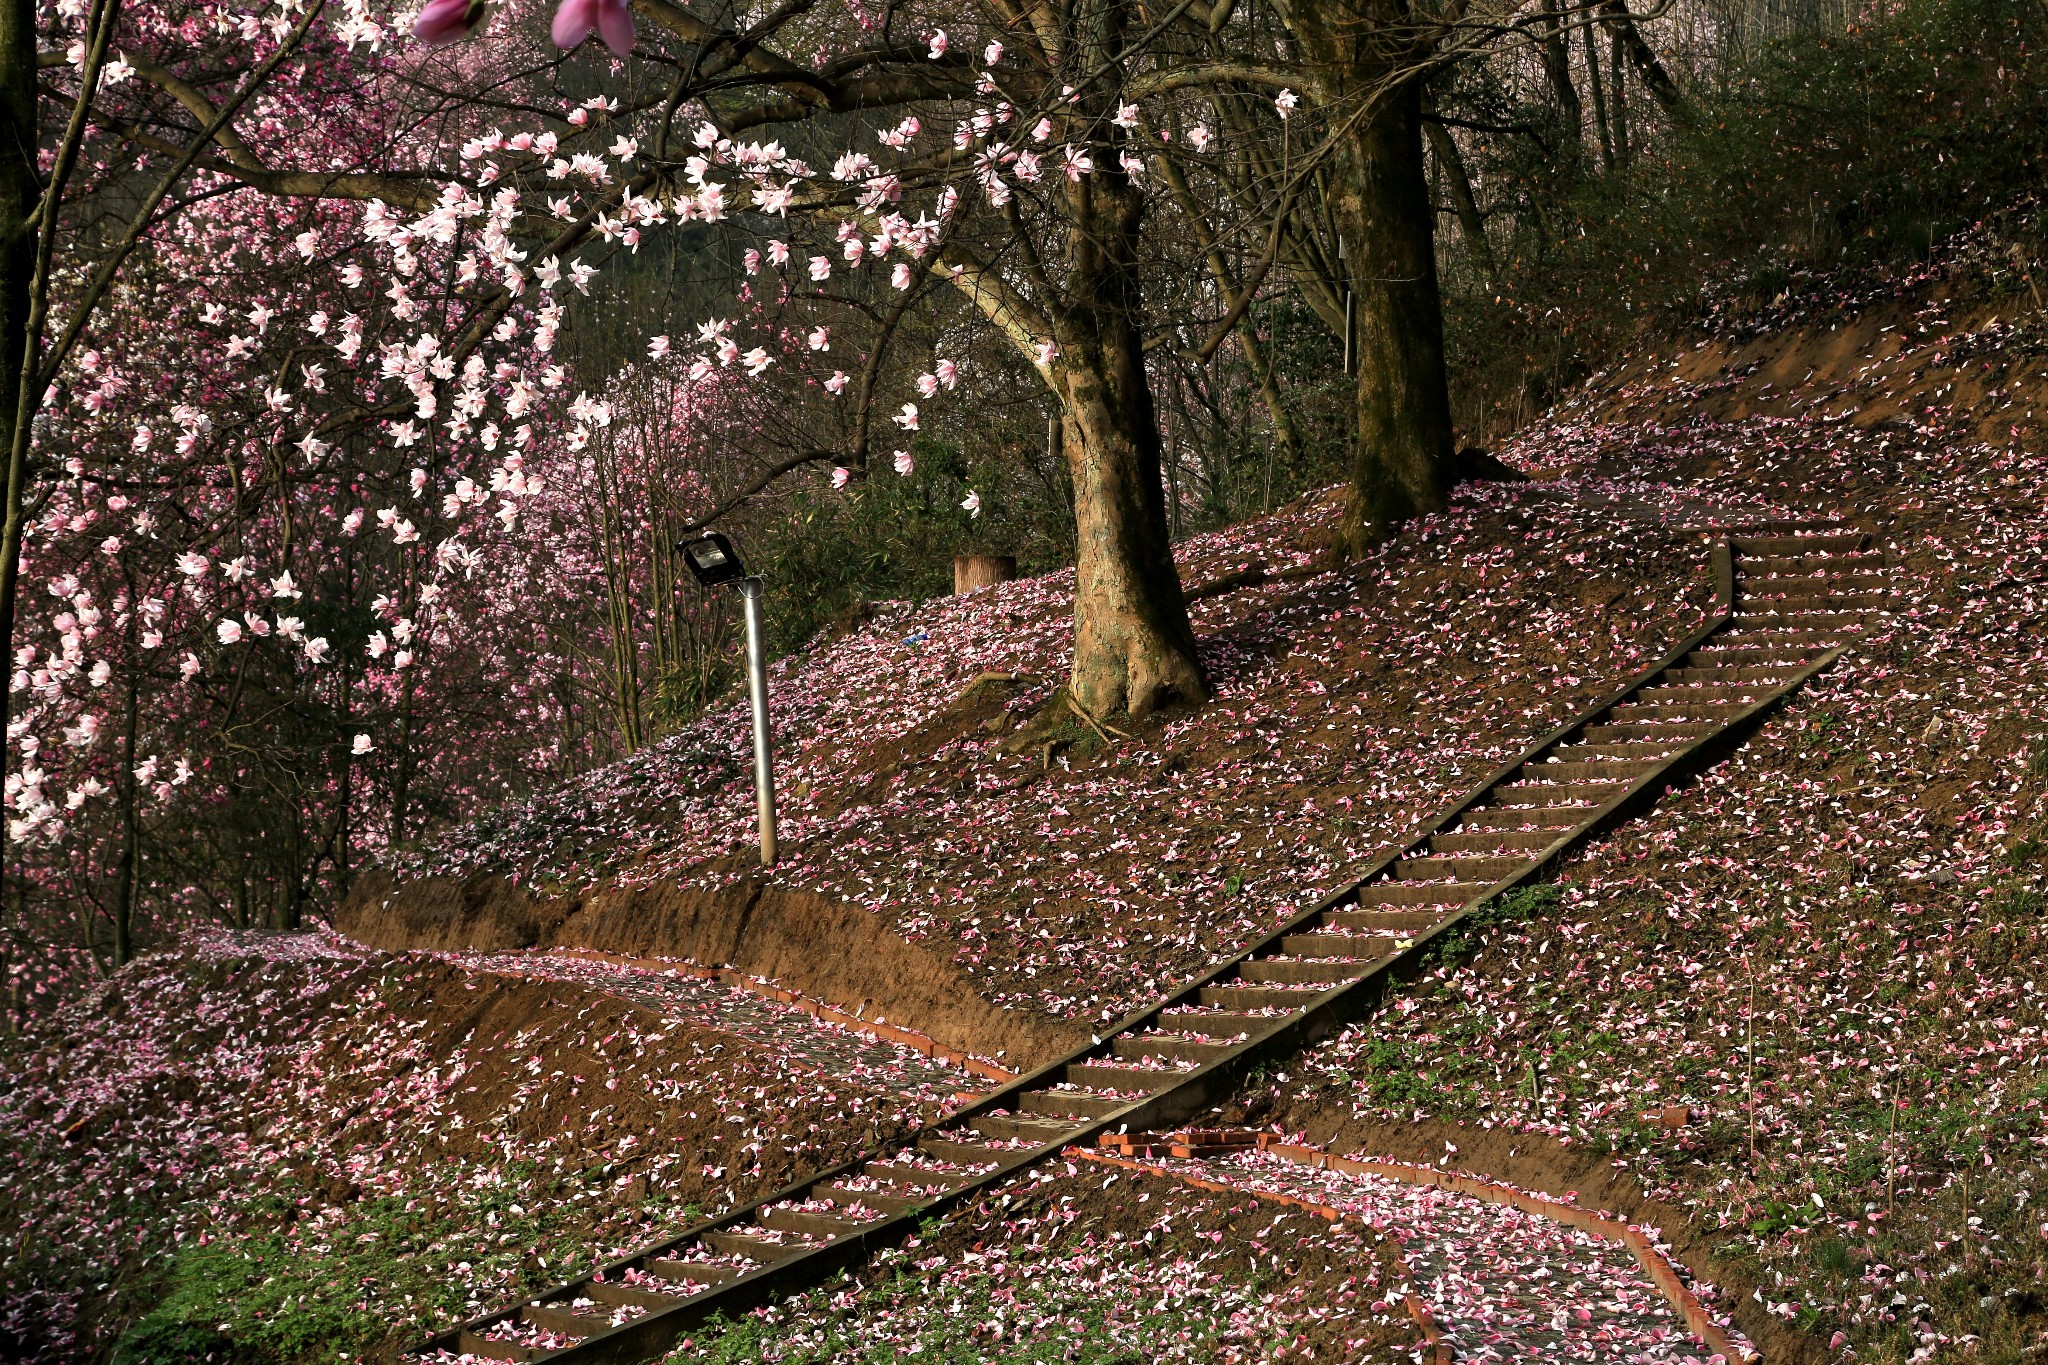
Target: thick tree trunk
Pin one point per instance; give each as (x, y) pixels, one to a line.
(1380, 203)
(1133, 645)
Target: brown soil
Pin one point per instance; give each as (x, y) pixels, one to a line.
(827, 949)
(325, 1083)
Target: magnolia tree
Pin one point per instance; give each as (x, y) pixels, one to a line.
(289, 337)
(1003, 162)
(297, 474)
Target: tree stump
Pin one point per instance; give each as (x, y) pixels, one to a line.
(982, 571)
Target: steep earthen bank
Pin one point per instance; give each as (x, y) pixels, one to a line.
(833, 952)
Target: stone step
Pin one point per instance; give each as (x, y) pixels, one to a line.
(1454, 869)
(1692, 710)
(1005, 1126)
(1070, 1104)
(1850, 580)
(685, 1272)
(1633, 750)
(808, 1224)
(1587, 770)
(1550, 820)
(632, 1295)
(1411, 893)
(1259, 997)
(1869, 561)
(1302, 971)
(874, 1199)
(1668, 692)
(1496, 841)
(1110, 1076)
(1766, 674)
(1814, 599)
(1223, 1024)
(958, 1146)
(727, 1242)
(1398, 922)
(1556, 793)
(912, 1176)
(1174, 1049)
(473, 1344)
(1826, 542)
(1367, 947)
(567, 1321)
(1804, 620)
(1776, 659)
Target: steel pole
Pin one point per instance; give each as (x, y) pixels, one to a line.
(757, 693)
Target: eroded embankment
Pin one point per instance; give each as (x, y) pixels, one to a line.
(832, 951)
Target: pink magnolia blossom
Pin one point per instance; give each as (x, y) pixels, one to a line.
(362, 745)
(904, 463)
(836, 385)
(230, 632)
(939, 43)
(1284, 102)
(445, 21)
(841, 475)
(575, 20)
(972, 502)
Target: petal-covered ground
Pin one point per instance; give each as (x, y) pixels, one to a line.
(1830, 950)
(1498, 1282)
(1347, 704)
(1073, 1264)
(281, 1141)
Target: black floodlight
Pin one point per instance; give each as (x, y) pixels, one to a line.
(713, 560)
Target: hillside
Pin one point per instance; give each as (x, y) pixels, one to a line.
(1060, 885)
(1826, 951)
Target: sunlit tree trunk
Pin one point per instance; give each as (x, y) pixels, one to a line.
(1133, 644)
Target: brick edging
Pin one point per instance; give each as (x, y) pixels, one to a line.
(1655, 1264)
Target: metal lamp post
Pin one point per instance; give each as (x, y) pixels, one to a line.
(713, 561)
